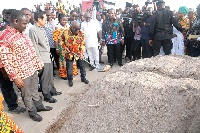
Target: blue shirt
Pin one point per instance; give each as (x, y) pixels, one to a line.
(49, 34)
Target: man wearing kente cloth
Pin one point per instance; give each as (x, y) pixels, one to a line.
(75, 46)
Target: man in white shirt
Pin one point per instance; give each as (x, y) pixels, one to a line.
(91, 29)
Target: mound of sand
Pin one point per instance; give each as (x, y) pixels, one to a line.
(160, 94)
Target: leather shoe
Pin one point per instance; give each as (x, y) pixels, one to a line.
(85, 81)
(91, 68)
(45, 108)
(51, 100)
(64, 78)
(18, 110)
(36, 117)
(101, 62)
(111, 64)
(57, 93)
(120, 65)
(70, 83)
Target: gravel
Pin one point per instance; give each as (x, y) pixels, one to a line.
(159, 94)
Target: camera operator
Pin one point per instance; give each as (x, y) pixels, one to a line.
(147, 50)
(194, 44)
(161, 29)
(128, 29)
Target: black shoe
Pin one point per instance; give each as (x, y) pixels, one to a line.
(120, 65)
(54, 74)
(70, 83)
(85, 81)
(91, 68)
(64, 78)
(111, 64)
(51, 100)
(36, 117)
(101, 62)
(57, 93)
(45, 108)
(18, 110)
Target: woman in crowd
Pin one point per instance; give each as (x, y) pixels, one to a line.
(184, 22)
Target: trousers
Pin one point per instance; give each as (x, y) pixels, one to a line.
(93, 53)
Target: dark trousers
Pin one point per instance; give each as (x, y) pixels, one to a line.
(128, 42)
(194, 52)
(100, 52)
(147, 50)
(8, 92)
(114, 51)
(166, 44)
(55, 56)
(46, 80)
(136, 49)
(69, 66)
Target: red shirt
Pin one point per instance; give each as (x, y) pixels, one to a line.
(17, 54)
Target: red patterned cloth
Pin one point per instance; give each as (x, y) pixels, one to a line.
(17, 54)
(75, 44)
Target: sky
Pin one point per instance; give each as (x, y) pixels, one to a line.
(18, 4)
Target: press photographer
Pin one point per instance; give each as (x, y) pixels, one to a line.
(147, 50)
(194, 43)
(128, 29)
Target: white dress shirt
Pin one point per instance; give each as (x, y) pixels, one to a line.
(91, 29)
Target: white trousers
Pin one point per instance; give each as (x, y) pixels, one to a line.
(93, 53)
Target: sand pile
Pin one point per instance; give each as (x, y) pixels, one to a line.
(160, 94)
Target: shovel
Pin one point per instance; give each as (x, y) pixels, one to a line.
(104, 68)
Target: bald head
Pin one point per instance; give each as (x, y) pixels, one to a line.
(87, 17)
(75, 27)
(75, 24)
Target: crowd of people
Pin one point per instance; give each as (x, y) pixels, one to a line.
(34, 44)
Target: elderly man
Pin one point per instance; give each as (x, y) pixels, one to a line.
(20, 63)
(75, 46)
(41, 43)
(91, 28)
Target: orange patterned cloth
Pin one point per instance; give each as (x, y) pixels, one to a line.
(185, 23)
(7, 125)
(75, 44)
(62, 59)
